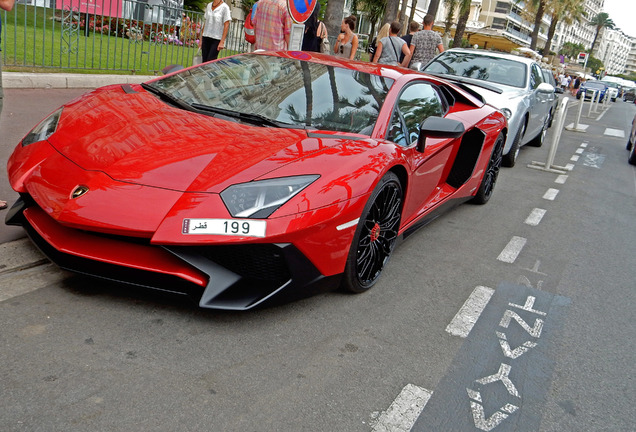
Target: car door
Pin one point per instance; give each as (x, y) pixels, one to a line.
(539, 103)
(417, 102)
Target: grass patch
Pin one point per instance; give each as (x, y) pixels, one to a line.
(41, 41)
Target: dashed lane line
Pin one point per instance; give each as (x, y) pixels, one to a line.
(469, 313)
(404, 410)
(511, 251)
(551, 194)
(535, 217)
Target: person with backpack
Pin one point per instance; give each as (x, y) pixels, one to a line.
(389, 48)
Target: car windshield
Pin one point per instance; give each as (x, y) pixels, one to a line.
(283, 90)
(595, 85)
(610, 84)
(492, 69)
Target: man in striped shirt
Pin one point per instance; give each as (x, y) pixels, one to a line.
(272, 25)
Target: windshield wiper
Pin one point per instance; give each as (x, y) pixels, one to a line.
(168, 97)
(257, 119)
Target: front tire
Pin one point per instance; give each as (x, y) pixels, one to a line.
(510, 159)
(375, 236)
(492, 172)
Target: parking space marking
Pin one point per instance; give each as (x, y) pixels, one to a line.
(579, 150)
(584, 144)
(618, 133)
(510, 253)
(574, 158)
(469, 313)
(569, 167)
(561, 179)
(535, 217)
(551, 194)
(404, 410)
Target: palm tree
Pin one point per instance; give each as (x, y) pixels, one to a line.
(391, 11)
(450, 15)
(432, 7)
(600, 21)
(374, 10)
(540, 6)
(567, 11)
(464, 13)
(333, 16)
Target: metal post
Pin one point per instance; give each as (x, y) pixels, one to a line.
(589, 113)
(548, 165)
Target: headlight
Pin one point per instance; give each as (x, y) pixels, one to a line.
(259, 199)
(44, 130)
(507, 113)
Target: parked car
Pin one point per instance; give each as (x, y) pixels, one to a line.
(631, 143)
(513, 84)
(554, 103)
(629, 94)
(253, 177)
(612, 90)
(587, 88)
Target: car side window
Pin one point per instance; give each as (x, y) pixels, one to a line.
(535, 76)
(416, 103)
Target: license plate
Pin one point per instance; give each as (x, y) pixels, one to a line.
(231, 227)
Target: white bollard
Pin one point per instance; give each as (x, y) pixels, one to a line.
(548, 165)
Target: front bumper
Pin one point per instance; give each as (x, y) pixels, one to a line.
(234, 277)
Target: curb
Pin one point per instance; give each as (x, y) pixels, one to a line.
(67, 81)
(19, 255)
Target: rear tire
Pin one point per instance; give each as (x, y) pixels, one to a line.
(632, 155)
(492, 172)
(375, 236)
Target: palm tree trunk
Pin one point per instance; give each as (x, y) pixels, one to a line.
(432, 7)
(551, 32)
(405, 29)
(333, 17)
(412, 14)
(391, 11)
(461, 26)
(534, 39)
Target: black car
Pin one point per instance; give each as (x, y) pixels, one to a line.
(629, 94)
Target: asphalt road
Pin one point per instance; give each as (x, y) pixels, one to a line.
(552, 350)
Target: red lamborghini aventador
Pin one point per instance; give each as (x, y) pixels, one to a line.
(256, 176)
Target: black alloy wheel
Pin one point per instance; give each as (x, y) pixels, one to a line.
(375, 236)
(492, 172)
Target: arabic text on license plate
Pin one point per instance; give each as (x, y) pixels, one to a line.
(234, 227)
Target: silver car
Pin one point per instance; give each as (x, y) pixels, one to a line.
(513, 84)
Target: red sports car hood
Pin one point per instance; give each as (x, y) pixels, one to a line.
(133, 137)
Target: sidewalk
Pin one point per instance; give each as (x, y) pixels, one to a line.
(67, 80)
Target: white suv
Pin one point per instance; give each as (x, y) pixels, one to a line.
(612, 90)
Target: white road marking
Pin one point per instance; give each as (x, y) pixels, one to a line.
(579, 151)
(535, 217)
(551, 194)
(569, 167)
(574, 158)
(584, 144)
(511, 251)
(404, 410)
(469, 313)
(618, 133)
(561, 179)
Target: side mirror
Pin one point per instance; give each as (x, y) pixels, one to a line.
(545, 88)
(438, 127)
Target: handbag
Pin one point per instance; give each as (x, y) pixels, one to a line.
(325, 46)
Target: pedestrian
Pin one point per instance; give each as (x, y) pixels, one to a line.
(575, 85)
(425, 42)
(272, 25)
(565, 81)
(347, 43)
(6, 5)
(312, 39)
(414, 27)
(390, 47)
(216, 22)
(384, 32)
